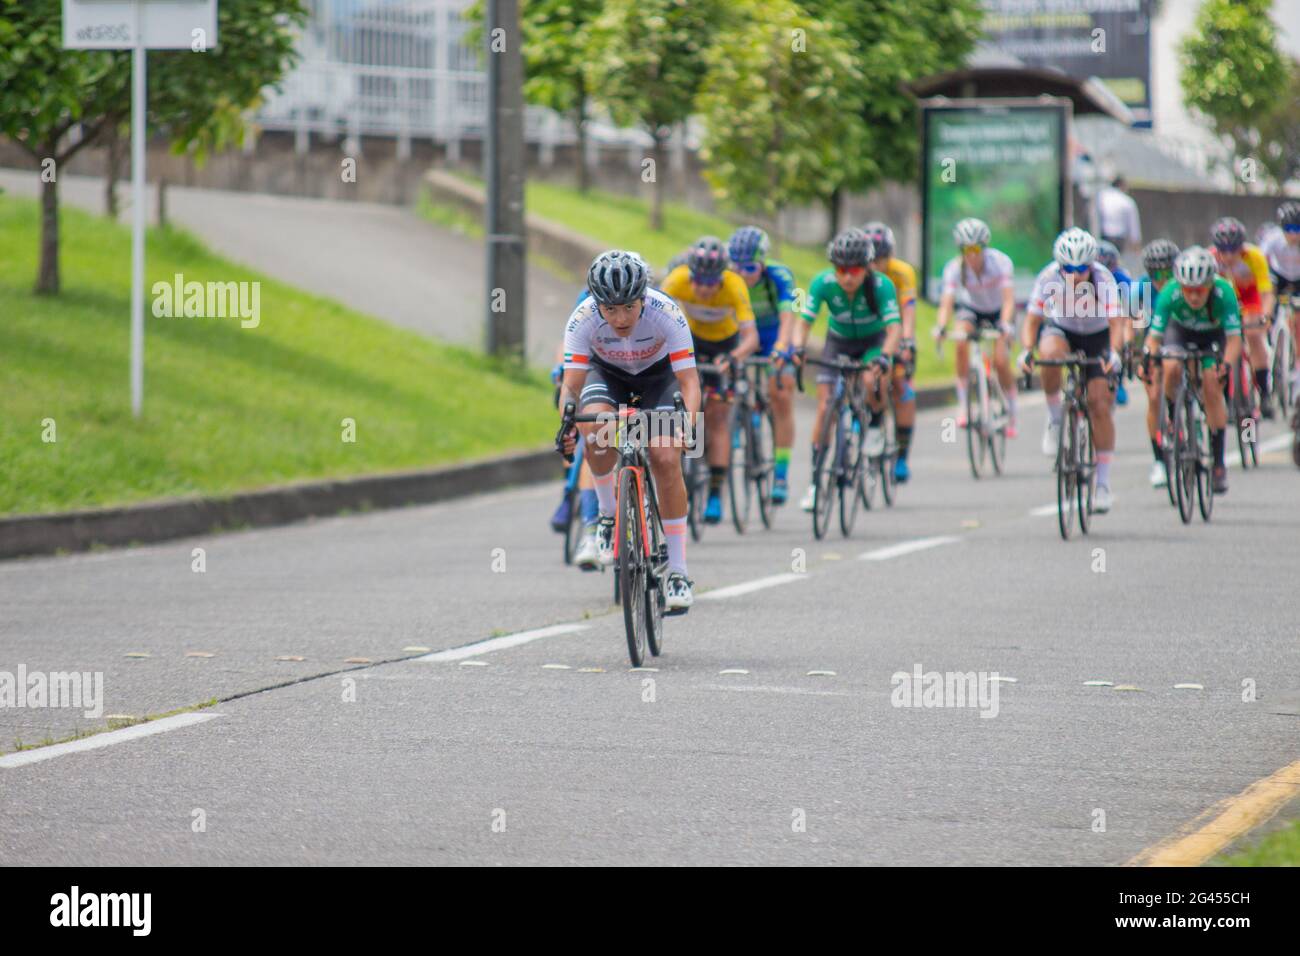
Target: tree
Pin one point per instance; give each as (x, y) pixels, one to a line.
(645, 65)
(895, 41)
(1279, 133)
(555, 59)
(776, 107)
(1233, 71)
(196, 100)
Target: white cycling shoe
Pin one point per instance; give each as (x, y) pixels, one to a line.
(1102, 500)
(1051, 438)
(605, 541)
(1159, 477)
(875, 443)
(588, 555)
(809, 499)
(678, 596)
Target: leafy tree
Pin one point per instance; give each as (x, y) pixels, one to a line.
(776, 107)
(1279, 133)
(555, 60)
(646, 63)
(197, 100)
(1233, 71)
(895, 41)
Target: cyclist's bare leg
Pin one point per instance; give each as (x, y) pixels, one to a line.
(718, 438)
(1051, 347)
(599, 455)
(1002, 364)
(904, 409)
(1216, 407)
(781, 394)
(666, 463)
(961, 362)
(1173, 374)
(875, 400)
(823, 402)
(1100, 402)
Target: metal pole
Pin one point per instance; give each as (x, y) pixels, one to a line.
(139, 120)
(504, 175)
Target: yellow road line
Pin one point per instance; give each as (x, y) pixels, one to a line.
(1221, 824)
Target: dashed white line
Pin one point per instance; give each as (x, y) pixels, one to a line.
(501, 643)
(106, 739)
(1044, 511)
(749, 587)
(1275, 443)
(906, 547)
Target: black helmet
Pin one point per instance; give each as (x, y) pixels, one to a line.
(1228, 234)
(1159, 255)
(882, 239)
(707, 258)
(617, 277)
(1288, 214)
(852, 247)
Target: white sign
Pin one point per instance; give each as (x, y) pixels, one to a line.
(162, 24)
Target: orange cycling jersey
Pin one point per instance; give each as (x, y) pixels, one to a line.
(904, 278)
(1249, 276)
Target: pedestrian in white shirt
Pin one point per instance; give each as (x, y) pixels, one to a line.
(1117, 216)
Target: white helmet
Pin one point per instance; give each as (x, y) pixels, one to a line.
(1195, 266)
(1074, 247)
(971, 232)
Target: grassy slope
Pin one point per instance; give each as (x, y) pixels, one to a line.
(1279, 848)
(619, 221)
(226, 408)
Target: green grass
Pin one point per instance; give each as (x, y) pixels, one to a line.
(621, 222)
(226, 408)
(1280, 848)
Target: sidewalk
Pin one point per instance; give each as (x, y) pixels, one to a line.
(382, 260)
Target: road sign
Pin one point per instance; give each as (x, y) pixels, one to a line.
(139, 25)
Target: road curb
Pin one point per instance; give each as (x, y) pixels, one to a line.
(168, 519)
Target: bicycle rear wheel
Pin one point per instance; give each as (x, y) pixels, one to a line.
(1086, 482)
(1165, 431)
(1000, 415)
(697, 492)
(975, 445)
(763, 465)
(885, 461)
(740, 490)
(823, 486)
(1243, 407)
(573, 533)
(851, 466)
(632, 563)
(1282, 365)
(1066, 473)
(656, 578)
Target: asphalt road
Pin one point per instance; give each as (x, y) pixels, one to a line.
(501, 757)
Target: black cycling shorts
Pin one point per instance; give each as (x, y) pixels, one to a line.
(652, 388)
(1091, 344)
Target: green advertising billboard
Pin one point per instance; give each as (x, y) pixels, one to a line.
(1001, 162)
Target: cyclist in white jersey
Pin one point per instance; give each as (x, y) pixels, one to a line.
(979, 291)
(1078, 304)
(1282, 249)
(630, 345)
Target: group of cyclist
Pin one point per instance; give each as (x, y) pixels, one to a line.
(630, 343)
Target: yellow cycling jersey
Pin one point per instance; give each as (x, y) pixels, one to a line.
(904, 278)
(717, 317)
(1249, 276)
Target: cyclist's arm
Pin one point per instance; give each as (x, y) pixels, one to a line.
(946, 302)
(785, 334)
(1008, 317)
(1029, 334)
(748, 341)
(689, 381)
(1232, 349)
(571, 387)
(812, 306)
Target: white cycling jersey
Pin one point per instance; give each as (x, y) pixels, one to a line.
(1085, 307)
(1283, 258)
(660, 333)
(980, 291)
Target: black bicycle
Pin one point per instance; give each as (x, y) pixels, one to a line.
(1192, 453)
(640, 546)
(1076, 456)
(753, 444)
(880, 466)
(839, 467)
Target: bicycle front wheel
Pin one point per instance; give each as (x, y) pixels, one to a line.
(850, 468)
(1067, 473)
(740, 491)
(763, 465)
(1001, 414)
(975, 445)
(1185, 456)
(1204, 466)
(1087, 458)
(632, 563)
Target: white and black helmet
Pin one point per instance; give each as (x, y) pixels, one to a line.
(617, 277)
(1074, 247)
(971, 232)
(1195, 266)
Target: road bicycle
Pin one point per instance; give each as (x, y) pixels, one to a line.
(1076, 456)
(752, 462)
(987, 410)
(640, 546)
(1244, 401)
(1193, 454)
(839, 466)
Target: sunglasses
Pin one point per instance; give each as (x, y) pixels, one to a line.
(1291, 228)
(1198, 289)
(1236, 248)
(970, 249)
(1162, 275)
(1075, 270)
(707, 281)
(850, 270)
(749, 267)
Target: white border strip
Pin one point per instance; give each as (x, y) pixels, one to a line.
(106, 739)
(749, 587)
(906, 547)
(501, 643)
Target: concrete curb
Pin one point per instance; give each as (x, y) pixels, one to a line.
(184, 517)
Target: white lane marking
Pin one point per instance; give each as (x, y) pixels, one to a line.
(1189, 687)
(1044, 511)
(501, 643)
(734, 670)
(1098, 683)
(820, 674)
(767, 689)
(1275, 443)
(906, 547)
(750, 587)
(106, 739)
